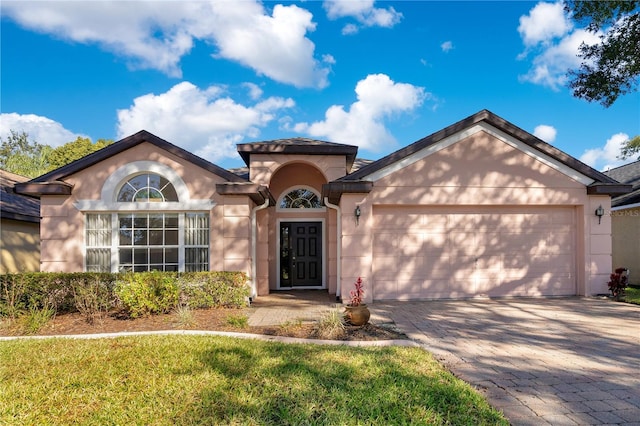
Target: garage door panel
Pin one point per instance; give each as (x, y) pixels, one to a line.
(437, 267)
(385, 243)
(500, 251)
(385, 268)
(410, 244)
(462, 243)
(434, 244)
(560, 241)
(385, 289)
(508, 288)
(395, 221)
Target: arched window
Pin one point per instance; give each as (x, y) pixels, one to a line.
(147, 187)
(300, 198)
(141, 225)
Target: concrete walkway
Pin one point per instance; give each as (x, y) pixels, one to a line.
(565, 361)
(556, 361)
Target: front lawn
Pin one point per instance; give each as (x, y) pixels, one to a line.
(632, 295)
(158, 380)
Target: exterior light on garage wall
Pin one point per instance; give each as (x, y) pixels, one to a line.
(357, 214)
(599, 213)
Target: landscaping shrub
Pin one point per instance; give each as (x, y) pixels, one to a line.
(93, 294)
(144, 293)
(214, 289)
(137, 294)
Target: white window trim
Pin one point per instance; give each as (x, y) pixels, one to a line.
(108, 195)
(108, 204)
(293, 188)
(115, 243)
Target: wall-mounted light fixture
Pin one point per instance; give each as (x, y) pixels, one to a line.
(599, 213)
(357, 214)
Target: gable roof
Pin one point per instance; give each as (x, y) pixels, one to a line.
(501, 124)
(629, 174)
(302, 146)
(15, 206)
(128, 143)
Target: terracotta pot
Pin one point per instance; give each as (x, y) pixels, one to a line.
(357, 315)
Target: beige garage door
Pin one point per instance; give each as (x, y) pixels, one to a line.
(422, 252)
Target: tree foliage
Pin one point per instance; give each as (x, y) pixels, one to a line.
(612, 67)
(630, 148)
(75, 150)
(20, 155)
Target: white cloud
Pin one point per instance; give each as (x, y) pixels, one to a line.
(545, 22)
(156, 35)
(551, 65)
(255, 92)
(362, 124)
(446, 46)
(364, 12)
(548, 35)
(545, 132)
(201, 121)
(40, 129)
(606, 158)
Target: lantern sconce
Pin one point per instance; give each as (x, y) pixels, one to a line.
(599, 213)
(357, 214)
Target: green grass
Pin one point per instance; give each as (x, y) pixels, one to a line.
(632, 295)
(167, 380)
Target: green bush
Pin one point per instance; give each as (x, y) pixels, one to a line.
(144, 293)
(93, 294)
(201, 290)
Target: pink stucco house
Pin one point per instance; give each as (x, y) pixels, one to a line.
(480, 208)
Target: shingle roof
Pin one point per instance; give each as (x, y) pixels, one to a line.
(15, 206)
(127, 143)
(629, 174)
(302, 146)
(495, 121)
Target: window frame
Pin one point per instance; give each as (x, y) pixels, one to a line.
(108, 205)
(289, 190)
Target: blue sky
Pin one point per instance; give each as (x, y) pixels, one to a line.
(381, 75)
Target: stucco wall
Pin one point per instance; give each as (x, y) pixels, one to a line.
(62, 225)
(625, 227)
(480, 170)
(19, 246)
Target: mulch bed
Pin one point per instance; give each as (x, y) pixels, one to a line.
(207, 320)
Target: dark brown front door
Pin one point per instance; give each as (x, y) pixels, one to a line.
(301, 254)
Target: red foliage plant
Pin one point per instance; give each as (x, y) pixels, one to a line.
(357, 294)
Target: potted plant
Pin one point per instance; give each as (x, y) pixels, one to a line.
(356, 312)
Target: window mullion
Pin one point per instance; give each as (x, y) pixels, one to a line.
(115, 234)
(181, 243)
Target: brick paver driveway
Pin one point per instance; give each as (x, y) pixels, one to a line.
(559, 361)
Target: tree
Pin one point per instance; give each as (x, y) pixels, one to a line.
(611, 68)
(75, 150)
(24, 157)
(29, 158)
(630, 148)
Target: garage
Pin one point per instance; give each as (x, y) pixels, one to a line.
(476, 251)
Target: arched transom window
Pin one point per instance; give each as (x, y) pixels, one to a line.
(300, 198)
(146, 188)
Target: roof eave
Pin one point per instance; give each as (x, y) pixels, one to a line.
(130, 142)
(257, 193)
(333, 190)
(36, 189)
(612, 189)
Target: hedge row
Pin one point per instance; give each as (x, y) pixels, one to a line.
(134, 294)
